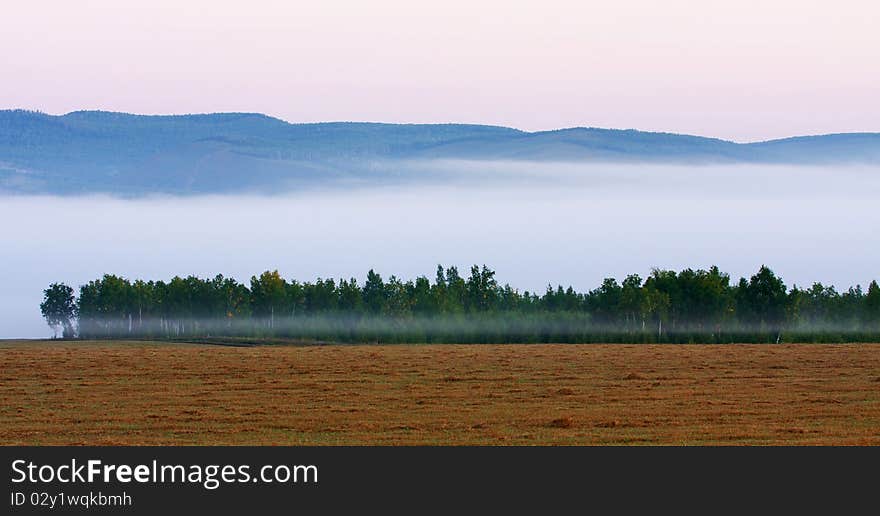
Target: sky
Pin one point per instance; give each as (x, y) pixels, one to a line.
(744, 70)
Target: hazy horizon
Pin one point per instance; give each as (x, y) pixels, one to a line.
(562, 224)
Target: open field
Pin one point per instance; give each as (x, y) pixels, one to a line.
(152, 393)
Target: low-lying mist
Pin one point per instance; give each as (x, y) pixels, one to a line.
(533, 223)
(486, 327)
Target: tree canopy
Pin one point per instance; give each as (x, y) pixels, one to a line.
(667, 306)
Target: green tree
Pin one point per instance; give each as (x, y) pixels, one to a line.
(657, 306)
(482, 289)
(763, 300)
(456, 291)
(236, 299)
(397, 300)
(605, 301)
(632, 298)
(375, 295)
(666, 297)
(351, 300)
(422, 300)
(872, 306)
(59, 309)
(269, 295)
(296, 297)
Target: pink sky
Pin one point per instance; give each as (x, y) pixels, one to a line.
(743, 70)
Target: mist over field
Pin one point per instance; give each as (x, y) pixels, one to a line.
(533, 223)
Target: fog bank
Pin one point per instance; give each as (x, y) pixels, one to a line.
(533, 223)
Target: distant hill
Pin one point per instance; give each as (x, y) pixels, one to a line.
(102, 152)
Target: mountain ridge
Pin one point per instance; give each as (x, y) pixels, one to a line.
(131, 154)
(248, 114)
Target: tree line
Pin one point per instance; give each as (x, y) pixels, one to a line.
(667, 306)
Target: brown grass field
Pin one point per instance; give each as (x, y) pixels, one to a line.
(138, 393)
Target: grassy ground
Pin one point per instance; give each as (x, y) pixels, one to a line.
(149, 393)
